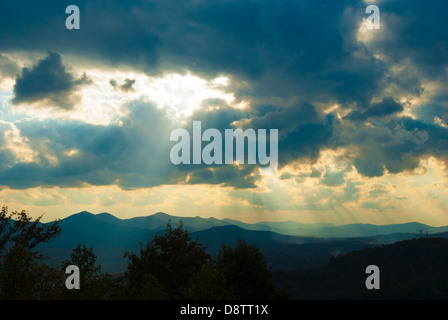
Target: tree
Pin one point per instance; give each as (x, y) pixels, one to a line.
(246, 270)
(172, 258)
(48, 282)
(19, 238)
(90, 273)
(15, 268)
(18, 228)
(208, 284)
(149, 289)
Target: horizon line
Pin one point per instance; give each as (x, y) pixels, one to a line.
(250, 223)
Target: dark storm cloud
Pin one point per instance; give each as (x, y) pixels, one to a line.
(281, 48)
(116, 32)
(128, 155)
(396, 146)
(438, 106)
(221, 118)
(242, 176)
(303, 132)
(131, 155)
(48, 81)
(274, 52)
(414, 32)
(381, 109)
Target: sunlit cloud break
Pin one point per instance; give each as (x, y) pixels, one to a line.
(184, 107)
(213, 153)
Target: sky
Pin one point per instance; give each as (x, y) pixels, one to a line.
(362, 114)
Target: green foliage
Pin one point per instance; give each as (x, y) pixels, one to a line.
(46, 283)
(19, 237)
(246, 270)
(16, 265)
(208, 284)
(17, 228)
(85, 260)
(149, 289)
(94, 285)
(179, 268)
(172, 258)
(90, 273)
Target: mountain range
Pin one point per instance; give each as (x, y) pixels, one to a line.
(286, 245)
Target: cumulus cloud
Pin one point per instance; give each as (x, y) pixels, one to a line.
(303, 131)
(267, 44)
(395, 146)
(132, 154)
(126, 155)
(8, 67)
(125, 87)
(48, 82)
(13, 146)
(281, 49)
(290, 60)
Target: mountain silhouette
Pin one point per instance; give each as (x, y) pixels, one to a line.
(159, 220)
(287, 245)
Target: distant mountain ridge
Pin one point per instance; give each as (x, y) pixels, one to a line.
(158, 221)
(285, 244)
